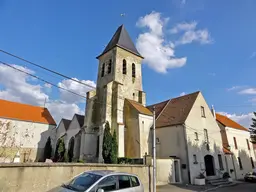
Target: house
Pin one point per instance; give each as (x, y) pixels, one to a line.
(69, 132)
(240, 156)
(118, 97)
(24, 131)
(186, 130)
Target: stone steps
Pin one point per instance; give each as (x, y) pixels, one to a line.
(218, 181)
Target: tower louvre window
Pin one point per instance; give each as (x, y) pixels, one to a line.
(133, 70)
(109, 66)
(124, 67)
(103, 70)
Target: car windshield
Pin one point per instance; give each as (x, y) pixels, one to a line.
(82, 182)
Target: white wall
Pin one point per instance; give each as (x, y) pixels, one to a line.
(73, 129)
(172, 143)
(24, 134)
(196, 123)
(165, 171)
(145, 123)
(243, 152)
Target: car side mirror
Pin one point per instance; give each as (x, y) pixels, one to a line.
(100, 190)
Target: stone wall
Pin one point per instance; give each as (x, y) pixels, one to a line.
(41, 177)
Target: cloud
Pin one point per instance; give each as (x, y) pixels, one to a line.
(235, 88)
(17, 87)
(249, 91)
(63, 110)
(191, 34)
(182, 94)
(74, 87)
(243, 119)
(152, 44)
(20, 87)
(252, 55)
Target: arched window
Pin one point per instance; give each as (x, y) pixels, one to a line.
(124, 67)
(133, 70)
(103, 70)
(109, 66)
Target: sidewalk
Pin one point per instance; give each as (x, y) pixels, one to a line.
(182, 188)
(190, 188)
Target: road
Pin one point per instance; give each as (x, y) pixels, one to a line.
(243, 187)
(246, 187)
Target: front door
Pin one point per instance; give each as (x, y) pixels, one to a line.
(177, 171)
(209, 165)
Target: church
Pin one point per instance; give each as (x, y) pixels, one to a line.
(118, 99)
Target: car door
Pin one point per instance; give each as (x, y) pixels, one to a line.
(128, 183)
(107, 184)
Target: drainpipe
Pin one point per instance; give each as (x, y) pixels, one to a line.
(186, 148)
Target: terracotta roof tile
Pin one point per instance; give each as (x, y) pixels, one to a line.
(174, 111)
(229, 123)
(24, 112)
(140, 108)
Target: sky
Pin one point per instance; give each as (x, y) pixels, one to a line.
(188, 45)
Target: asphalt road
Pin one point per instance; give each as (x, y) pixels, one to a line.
(242, 187)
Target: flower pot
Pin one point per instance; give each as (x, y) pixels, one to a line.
(199, 181)
(230, 179)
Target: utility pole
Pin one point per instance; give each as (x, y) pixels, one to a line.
(154, 150)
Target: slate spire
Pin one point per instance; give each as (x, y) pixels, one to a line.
(121, 39)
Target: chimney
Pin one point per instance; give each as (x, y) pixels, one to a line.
(213, 112)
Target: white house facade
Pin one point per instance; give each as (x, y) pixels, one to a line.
(187, 130)
(236, 138)
(24, 130)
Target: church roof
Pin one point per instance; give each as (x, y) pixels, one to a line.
(121, 39)
(66, 123)
(174, 111)
(227, 122)
(140, 108)
(25, 112)
(80, 119)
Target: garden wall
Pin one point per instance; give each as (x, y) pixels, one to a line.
(41, 177)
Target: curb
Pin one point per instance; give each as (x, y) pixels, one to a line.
(220, 186)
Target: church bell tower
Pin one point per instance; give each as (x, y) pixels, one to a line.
(119, 78)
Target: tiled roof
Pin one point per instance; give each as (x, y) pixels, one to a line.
(80, 119)
(24, 112)
(140, 108)
(229, 123)
(122, 39)
(66, 123)
(174, 111)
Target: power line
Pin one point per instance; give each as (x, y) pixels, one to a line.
(41, 79)
(37, 65)
(80, 82)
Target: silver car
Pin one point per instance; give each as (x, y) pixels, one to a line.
(102, 181)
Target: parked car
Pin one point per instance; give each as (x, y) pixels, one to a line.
(102, 181)
(250, 177)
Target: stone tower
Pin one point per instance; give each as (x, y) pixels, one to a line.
(119, 78)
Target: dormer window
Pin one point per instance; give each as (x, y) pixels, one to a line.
(103, 70)
(133, 71)
(124, 67)
(109, 66)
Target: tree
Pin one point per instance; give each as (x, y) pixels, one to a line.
(48, 149)
(114, 149)
(107, 144)
(253, 129)
(60, 150)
